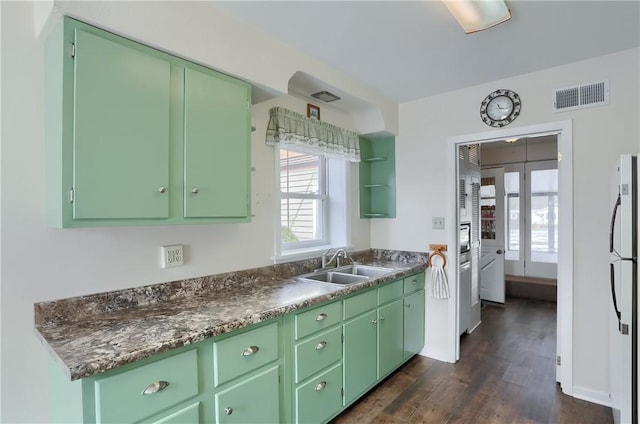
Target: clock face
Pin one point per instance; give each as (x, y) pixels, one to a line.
(500, 108)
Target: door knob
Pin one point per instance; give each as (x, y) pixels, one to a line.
(499, 251)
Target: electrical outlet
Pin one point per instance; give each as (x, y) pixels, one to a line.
(437, 223)
(172, 255)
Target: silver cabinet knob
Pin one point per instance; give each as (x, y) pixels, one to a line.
(321, 345)
(374, 321)
(381, 318)
(251, 350)
(195, 190)
(228, 410)
(162, 189)
(321, 317)
(321, 385)
(155, 387)
(499, 251)
(408, 305)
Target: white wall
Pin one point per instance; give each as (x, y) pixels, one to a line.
(41, 263)
(599, 136)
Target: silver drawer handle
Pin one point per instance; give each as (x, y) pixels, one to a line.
(161, 189)
(251, 350)
(228, 410)
(155, 387)
(321, 385)
(321, 317)
(321, 345)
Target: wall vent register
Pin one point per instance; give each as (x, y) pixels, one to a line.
(581, 96)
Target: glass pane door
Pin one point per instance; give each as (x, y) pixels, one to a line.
(542, 214)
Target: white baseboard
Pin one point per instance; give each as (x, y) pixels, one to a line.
(593, 396)
(436, 354)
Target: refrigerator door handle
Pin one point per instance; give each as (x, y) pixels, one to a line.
(613, 293)
(613, 223)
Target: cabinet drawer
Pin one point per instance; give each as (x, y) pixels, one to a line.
(253, 400)
(390, 292)
(119, 398)
(360, 303)
(320, 398)
(414, 283)
(318, 353)
(318, 319)
(245, 352)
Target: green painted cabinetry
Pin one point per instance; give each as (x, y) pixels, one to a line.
(185, 385)
(136, 136)
(377, 177)
(360, 356)
(304, 367)
(390, 337)
(414, 314)
(316, 377)
(252, 400)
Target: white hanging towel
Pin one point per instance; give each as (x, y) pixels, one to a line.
(439, 287)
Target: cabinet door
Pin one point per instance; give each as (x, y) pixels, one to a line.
(390, 337)
(190, 414)
(253, 400)
(359, 355)
(216, 155)
(413, 323)
(121, 131)
(320, 398)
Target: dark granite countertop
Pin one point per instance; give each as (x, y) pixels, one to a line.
(95, 333)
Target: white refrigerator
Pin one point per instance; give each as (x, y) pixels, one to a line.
(623, 246)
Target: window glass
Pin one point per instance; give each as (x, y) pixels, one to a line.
(302, 198)
(544, 215)
(512, 193)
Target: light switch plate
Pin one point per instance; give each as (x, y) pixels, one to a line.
(171, 255)
(437, 223)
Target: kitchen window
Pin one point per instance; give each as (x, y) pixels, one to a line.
(303, 199)
(312, 203)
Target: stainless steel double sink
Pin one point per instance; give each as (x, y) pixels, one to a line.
(347, 274)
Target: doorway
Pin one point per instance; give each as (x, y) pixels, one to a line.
(563, 131)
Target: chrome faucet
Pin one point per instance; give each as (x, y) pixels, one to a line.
(340, 253)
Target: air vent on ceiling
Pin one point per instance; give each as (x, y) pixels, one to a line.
(581, 96)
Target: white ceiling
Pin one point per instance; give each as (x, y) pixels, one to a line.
(413, 49)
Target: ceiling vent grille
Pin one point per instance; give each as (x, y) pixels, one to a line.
(581, 96)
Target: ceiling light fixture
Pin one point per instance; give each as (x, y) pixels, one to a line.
(476, 15)
(511, 140)
(325, 96)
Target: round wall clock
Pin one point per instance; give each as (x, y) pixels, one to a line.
(500, 108)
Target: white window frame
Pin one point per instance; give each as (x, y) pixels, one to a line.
(336, 229)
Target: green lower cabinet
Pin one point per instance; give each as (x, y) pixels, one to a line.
(390, 337)
(142, 392)
(254, 400)
(360, 356)
(320, 398)
(413, 323)
(317, 353)
(190, 414)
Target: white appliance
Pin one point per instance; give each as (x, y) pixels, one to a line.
(624, 293)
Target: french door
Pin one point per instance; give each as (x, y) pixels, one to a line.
(531, 210)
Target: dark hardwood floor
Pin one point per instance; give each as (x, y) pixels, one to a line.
(506, 375)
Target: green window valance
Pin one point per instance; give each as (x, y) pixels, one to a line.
(311, 135)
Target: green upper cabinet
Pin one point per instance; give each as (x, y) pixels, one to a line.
(136, 136)
(216, 129)
(121, 131)
(377, 178)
